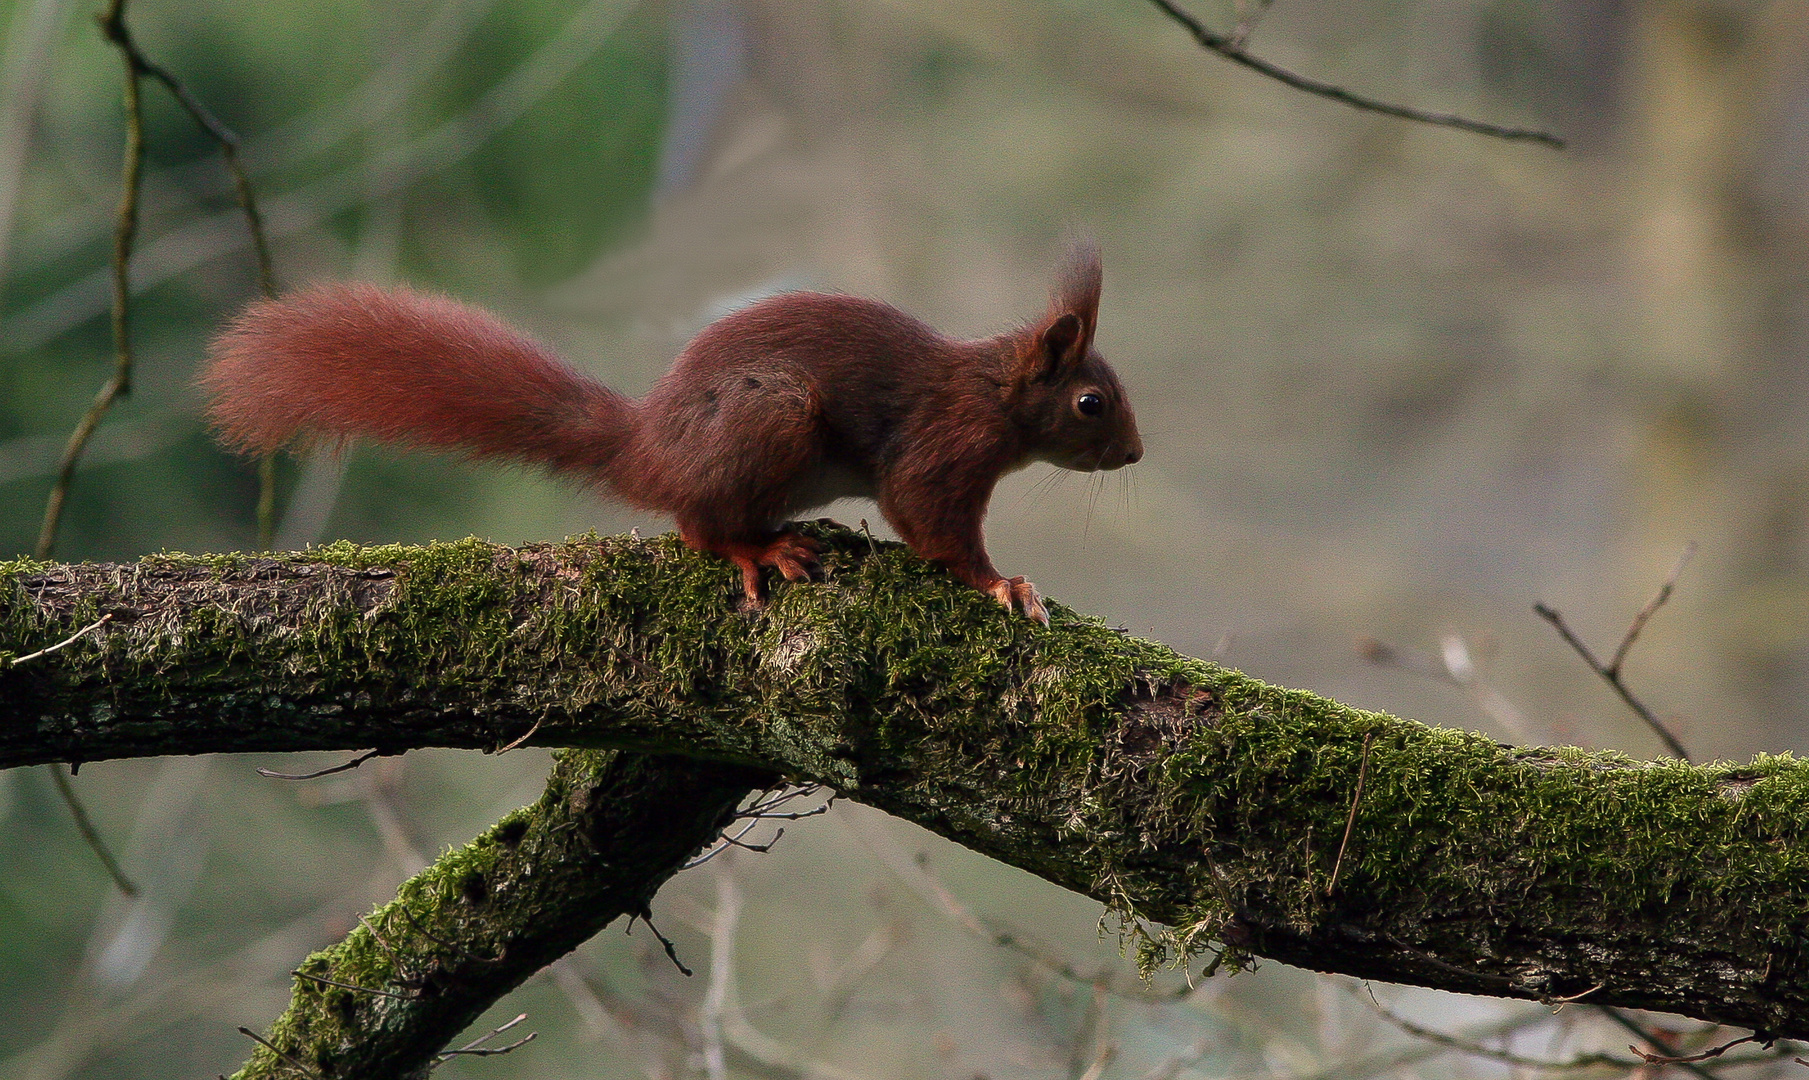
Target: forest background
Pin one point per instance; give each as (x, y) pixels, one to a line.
(1398, 384)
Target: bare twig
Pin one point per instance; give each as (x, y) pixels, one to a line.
(1233, 50)
(345, 766)
(1477, 1049)
(767, 806)
(1572, 999)
(270, 1046)
(68, 641)
(1350, 822)
(736, 841)
(113, 25)
(725, 842)
(382, 943)
(671, 950)
(1639, 1032)
(84, 825)
(764, 808)
(125, 231)
(790, 815)
(522, 738)
(1611, 672)
(476, 1047)
(1652, 606)
(298, 973)
(1712, 1052)
(113, 28)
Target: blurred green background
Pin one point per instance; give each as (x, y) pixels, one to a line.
(1397, 384)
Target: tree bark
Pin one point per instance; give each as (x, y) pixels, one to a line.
(1246, 819)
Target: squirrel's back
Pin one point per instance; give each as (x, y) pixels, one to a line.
(336, 361)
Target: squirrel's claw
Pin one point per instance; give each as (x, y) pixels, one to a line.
(1021, 596)
(795, 557)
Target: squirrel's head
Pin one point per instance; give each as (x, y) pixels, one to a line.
(1066, 398)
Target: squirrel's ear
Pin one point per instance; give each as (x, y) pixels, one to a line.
(1054, 349)
(1061, 344)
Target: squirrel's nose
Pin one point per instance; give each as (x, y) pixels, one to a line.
(1134, 454)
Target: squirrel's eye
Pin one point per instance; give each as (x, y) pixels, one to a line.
(1090, 404)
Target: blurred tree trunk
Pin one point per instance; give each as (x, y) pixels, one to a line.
(1712, 159)
(1247, 819)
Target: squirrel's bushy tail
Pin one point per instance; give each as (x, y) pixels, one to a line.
(337, 361)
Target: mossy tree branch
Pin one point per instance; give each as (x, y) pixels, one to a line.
(1173, 790)
(607, 832)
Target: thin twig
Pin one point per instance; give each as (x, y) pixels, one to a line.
(113, 26)
(84, 825)
(761, 848)
(68, 641)
(395, 961)
(1231, 50)
(726, 843)
(671, 950)
(1641, 1033)
(1652, 606)
(476, 1047)
(1611, 672)
(272, 774)
(761, 805)
(487, 1051)
(299, 973)
(1469, 1046)
(767, 809)
(1351, 821)
(1713, 1052)
(456, 951)
(524, 737)
(1572, 999)
(125, 231)
(270, 1046)
(790, 815)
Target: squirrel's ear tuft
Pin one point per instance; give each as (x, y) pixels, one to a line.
(1062, 337)
(1078, 291)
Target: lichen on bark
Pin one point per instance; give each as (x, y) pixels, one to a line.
(1206, 808)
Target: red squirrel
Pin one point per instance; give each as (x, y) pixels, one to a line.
(784, 405)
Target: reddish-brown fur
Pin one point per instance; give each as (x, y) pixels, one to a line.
(784, 405)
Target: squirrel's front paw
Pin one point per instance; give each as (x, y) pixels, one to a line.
(1020, 595)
